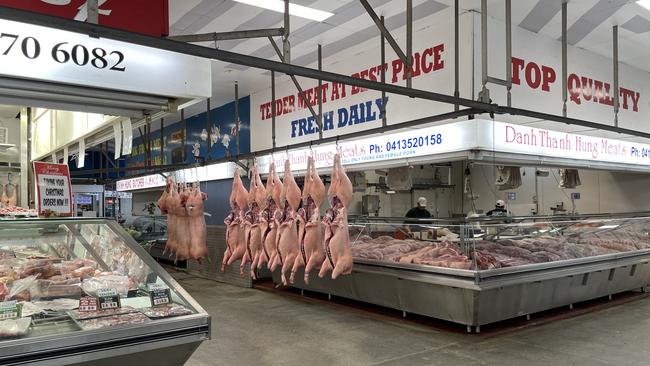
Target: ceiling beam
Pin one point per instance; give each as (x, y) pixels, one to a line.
(225, 36)
(98, 31)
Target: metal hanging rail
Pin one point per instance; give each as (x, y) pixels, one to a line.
(228, 36)
(478, 107)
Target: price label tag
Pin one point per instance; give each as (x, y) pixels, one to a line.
(87, 304)
(159, 294)
(10, 310)
(108, 299)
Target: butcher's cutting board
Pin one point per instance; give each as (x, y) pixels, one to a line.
(209, 269)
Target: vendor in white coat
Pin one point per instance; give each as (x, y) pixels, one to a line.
(499, 209)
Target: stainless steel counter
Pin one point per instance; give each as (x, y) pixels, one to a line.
(476, 298)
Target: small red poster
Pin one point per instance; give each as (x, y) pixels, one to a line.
(54, 190)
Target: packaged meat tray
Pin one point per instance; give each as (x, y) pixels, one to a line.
(113, 320)
(166, 311)
(120, 283)
(13, 328)
(82, 315)
(56, 288)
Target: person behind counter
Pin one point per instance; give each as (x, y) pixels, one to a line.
(499, 209)
(420, 210)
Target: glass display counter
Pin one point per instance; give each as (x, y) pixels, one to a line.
(477, 272)
(83, 291)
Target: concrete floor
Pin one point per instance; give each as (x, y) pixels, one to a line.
(259, 327)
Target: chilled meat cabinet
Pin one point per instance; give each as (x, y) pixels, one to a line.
(83, 292)
(486, 270)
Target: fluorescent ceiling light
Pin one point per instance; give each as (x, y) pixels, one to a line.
(294, 9)
(644, 3)
(390, 192)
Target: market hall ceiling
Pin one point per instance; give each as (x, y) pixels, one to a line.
(589, 21)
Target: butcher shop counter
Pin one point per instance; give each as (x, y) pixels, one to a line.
(485, 271)
(83, 292)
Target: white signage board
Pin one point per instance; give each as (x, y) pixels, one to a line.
(471, 135)
(45, 54)
(201, 174)
(53, 188)
(537, 79)
(527, 140)
(348, 109)
(428, 141)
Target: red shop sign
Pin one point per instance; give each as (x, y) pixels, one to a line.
(149, 17)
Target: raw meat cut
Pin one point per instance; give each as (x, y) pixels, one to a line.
(183, 230)
(4, 199)
(252, 223)
(270, 212)
(198, 230)
(172, 222)
(162, 201)
(312, 253)
(12, 200)
(235, 238)
(111, 321)
(337, 237)
(83, 315)
(41, 267)
(166, 311)
(287, 246)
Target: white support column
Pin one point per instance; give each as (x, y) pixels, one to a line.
(25, 152)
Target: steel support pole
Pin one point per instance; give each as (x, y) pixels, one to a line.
(105, 154)
(162, 141)
(564, 58)
(286, 46)
(101, 163)
(484, 95)
(237, 114)
(107, 159)
(227, 36)
(208, 127)
(147, 147)
(409, 42)
(383, 75)
(92, 9)
(184, 139)
(320, 94)
(295, 82)
(615, 62)
(273, 107)
(509, 50)
(384, 31)
(456, 53)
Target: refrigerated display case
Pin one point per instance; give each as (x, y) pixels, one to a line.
(46, 266)
(482, 271)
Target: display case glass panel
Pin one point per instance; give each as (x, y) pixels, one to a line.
(47, 266)
(494, 243)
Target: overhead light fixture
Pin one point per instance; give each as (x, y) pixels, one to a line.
(644, 3)
(294, 9)
(390, 192)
